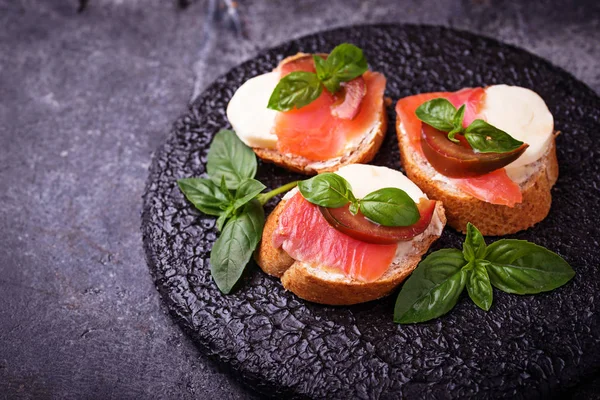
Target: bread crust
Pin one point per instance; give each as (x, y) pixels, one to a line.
(310, 283)
(364, 152)
(490, 219)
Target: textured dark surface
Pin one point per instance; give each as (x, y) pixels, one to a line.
(525, 347)
(85, 98)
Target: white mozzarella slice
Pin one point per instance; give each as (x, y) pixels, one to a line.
(523, 114)
(247, 111)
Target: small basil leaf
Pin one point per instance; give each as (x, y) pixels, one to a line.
(204, 194)
(296, 89)
(390, 207)
(248, 190)
(225, 189)
(229, 157)
(326, 190)
(438, 113)
(459, 116)
(479, 287)
(457, 121)
(486, 138)
(332, 84)
(474, 244)
(521, 267)
(433, 288)
(322, 67)
(233, 249)
(223, 218)
(344, 63)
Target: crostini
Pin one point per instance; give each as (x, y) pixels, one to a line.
(313, 113)
(331, 256)
(499, 183)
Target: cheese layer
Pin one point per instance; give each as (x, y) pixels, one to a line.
(523, 114)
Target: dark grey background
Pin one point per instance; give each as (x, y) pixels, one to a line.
(84, 100)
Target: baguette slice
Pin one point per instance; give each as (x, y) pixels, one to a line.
(316, 284)
(361, 154)
(490, 219)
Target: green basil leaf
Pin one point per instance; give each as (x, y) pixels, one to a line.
(229, 157)
(326, 190)
(296, 89)
(248, 190)
(457, 121)
(322, 67)
(479, 287)
(390, 207)
(205, 195)
(344, 63)
(233, 249)
(438, 113)
(474, 244)
(521, 267)
(459, 116)
(486, 138)
(225, 189)
(228, 213)
(433, 288)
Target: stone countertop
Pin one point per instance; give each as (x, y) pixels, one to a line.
(87, 93)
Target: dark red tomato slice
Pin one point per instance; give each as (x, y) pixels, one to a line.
(458, 160)
(349, 99)
(360, 228)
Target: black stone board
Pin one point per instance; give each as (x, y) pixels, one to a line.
(524, 347)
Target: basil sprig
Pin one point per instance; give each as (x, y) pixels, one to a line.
(300, 88)
(344, 63)
(233, 195)
(513, 266)
(482, 137)
(387, 206)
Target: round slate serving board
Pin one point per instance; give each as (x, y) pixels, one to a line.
(524, 347)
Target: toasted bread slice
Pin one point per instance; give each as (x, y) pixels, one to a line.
(490, 219)
(315, 283)
(362, 153)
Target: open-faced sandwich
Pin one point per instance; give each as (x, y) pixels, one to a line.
(314, 112)
(351, 236)
(487, 153)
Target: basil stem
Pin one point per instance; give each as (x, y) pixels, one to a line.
(265, 197)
